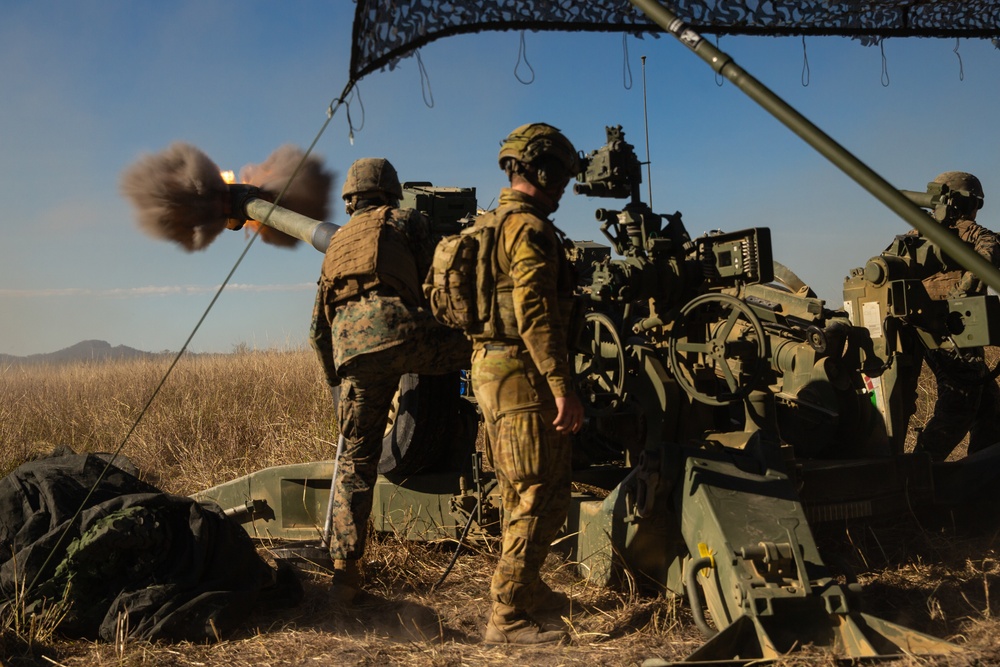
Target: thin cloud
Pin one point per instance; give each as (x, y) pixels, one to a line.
(152, 290)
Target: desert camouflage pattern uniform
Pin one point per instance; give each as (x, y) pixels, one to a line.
(367, 334)
(516, 374)
(968, 400)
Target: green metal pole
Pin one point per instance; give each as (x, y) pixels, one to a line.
(815, 137)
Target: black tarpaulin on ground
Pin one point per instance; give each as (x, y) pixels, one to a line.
(178, 569)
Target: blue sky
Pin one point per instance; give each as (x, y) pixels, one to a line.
(88, 87)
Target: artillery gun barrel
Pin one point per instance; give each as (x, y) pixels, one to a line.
(316, 233)
(724, 65)
(921, 199)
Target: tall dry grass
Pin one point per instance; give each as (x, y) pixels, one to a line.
(215, 418)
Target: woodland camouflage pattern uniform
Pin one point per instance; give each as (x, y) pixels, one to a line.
(518, 371)
(968, 399)
(369, 328)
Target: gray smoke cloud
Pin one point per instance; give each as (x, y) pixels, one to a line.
(308, 194)
(178, 195)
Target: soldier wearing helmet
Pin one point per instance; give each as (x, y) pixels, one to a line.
(371, 178)
(521, 378)
(370, 326)
(967, 185)
(968, 399)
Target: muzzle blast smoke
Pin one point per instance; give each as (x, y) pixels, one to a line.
(180, 195)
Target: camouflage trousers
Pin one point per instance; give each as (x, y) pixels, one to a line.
(532, 464)
(368, 383)
(968, 401)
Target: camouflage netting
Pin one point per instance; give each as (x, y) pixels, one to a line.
(387, 30)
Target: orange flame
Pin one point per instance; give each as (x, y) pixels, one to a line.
(229, 176)
(268, 235)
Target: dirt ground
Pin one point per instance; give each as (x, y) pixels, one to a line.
(933, 574)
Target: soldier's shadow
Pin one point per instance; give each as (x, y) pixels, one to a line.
(393, 618)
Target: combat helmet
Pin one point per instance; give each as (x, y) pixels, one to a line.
(372, 174)
(963, 182)
(539, 145)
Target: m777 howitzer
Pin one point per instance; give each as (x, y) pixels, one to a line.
(727, 413)
(754, 420)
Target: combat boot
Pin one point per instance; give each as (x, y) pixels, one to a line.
(508, 625)
(545, 601)
(346, 582)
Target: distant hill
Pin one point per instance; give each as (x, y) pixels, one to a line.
(88, 350)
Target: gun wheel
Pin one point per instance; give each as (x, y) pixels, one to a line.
(718, 349)
(599, 367)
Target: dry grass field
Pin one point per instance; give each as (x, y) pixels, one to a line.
(219, 417)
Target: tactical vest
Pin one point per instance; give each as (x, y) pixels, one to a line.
(940, 285)
(504, 324)
(369, 251)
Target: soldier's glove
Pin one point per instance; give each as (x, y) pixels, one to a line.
(969, 284)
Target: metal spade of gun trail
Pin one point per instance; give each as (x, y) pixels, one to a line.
(180, 195)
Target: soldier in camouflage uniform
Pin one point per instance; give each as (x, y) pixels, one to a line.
(521, 377)
(968, 399)
(369, 328)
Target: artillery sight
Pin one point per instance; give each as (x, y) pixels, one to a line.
(660, 261)
(613, 170)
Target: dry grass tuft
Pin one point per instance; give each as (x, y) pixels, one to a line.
(220, 417)
(27, 631)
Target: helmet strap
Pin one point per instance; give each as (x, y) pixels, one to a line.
(550, 174)
(527, 181)
(529, 173)
(513, 167)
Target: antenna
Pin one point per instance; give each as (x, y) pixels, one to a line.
(645, 120)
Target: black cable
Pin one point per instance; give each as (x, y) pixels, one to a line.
(458, 547)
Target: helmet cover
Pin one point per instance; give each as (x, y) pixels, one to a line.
(961, 181)
(372, 174)
(537, 142)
